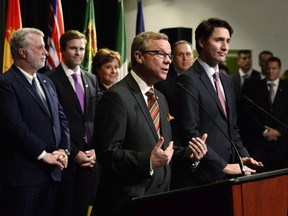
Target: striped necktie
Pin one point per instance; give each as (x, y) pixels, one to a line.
(154, 109)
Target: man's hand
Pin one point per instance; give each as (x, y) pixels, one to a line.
(198, 147)
(249, 161)
(86, 159)
(234, 169)
(271, 134)
(53, 159)
(160, 157)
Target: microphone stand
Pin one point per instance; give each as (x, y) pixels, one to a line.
(180, 85)
(268, 114)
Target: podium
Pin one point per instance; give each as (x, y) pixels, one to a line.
(263, 194)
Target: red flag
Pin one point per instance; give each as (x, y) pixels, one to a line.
(13, 23)
(56, 29)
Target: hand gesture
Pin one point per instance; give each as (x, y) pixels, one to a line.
(198, 146)
(160, 157)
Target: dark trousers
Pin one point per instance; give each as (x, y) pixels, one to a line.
(36, 200)
(76, 191)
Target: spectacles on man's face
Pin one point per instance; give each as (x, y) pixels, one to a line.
(159, 53)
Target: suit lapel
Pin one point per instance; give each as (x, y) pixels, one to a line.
(23, 81)
(207, 83)
(69, 88)
(141, 102)
(87, 93)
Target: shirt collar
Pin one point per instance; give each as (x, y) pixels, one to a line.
(209, 70)
(248, 73)
(276, 81)
(27, 75)
(70, 72)
(142, 85)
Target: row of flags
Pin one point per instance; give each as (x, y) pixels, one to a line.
(56, 29)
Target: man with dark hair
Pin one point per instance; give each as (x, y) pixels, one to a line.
(78, 92)
(265, 138)
(245, 71)
(214, 91)
(263, 57)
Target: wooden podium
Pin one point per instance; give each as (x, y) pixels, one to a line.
(263, 194)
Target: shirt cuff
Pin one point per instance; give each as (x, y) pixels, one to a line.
(151, 169)
(41, 155)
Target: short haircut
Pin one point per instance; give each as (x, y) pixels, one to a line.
(104, 56)
(206, 28)
(70, 35)
(18, 39)
(140, 42)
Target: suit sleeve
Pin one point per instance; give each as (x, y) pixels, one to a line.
(111, 131)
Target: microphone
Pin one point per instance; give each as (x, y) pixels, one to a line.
(264, 111)
(180, 85)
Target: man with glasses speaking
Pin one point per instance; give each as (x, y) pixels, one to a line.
(134, 141)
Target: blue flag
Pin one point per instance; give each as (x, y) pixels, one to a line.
(140, 19)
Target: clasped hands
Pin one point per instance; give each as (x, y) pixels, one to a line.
(86, 159)
(160, 157)
(58, 158)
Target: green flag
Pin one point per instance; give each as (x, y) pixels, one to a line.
(90, 33)
(121, 40)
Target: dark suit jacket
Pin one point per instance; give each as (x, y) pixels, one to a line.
(253, 120)
(193, 121)
(79, 123)
(27, 129)
(126, 136)
(255, 75)
(167, 88)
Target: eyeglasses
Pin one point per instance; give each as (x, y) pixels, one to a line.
(159, 53)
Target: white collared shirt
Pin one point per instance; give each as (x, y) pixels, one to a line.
(142, 85)
(69, 74)
(210, 72)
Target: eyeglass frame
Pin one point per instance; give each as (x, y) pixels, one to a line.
(159, 53)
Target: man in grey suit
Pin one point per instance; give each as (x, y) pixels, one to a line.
(135, 158)
(77, 189)
(212, 43)
(33, 129)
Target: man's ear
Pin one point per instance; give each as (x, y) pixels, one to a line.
(22, 53)
(138, 57)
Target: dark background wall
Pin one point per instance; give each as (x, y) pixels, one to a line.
(35, 13)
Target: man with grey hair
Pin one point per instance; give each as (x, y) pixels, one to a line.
(35, 137)
(134, 142)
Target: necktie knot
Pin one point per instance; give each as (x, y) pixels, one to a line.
(216, 76)
(150, 93)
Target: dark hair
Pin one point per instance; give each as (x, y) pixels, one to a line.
(244, 52)
(104, 56)
(206, 28)
(70, 35)
(274, 59)
(265, 52)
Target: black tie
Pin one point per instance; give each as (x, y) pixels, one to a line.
(34, 84)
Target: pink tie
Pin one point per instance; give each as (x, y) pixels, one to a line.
(219, 92)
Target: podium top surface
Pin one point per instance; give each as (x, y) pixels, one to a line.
(241, 179)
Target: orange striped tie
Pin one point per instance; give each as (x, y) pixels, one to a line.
(154, 109)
